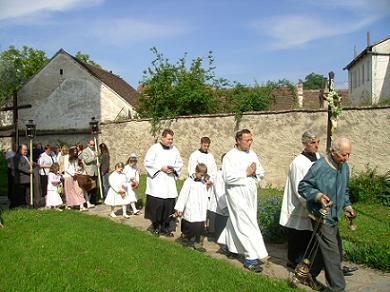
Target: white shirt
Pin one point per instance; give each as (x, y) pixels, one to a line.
(158, 183)
(193, 200)
(45, 161)
(217, 201)
(131, 173)
(206, 158)
(294, 213)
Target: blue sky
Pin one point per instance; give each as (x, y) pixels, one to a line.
(251, 40)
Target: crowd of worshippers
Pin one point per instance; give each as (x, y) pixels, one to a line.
(220, 204)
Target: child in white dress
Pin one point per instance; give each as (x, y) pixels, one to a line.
(132, 176)
(192, 206)
(117, 194)
(53, 198)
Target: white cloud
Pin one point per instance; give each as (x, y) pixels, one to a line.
(297, 30)
(10, 9)
(121, 31)
(320, 21)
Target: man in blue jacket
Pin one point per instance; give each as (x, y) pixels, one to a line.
(326, 185)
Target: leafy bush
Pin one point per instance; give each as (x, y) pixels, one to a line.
(268, 218)
(369, 185)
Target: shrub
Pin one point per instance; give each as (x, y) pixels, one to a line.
(369, 185)
(268, 218)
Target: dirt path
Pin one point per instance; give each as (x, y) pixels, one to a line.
(364, 279)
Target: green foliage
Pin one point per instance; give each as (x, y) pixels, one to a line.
(244, 98)
(70, 251)
(368, 185)
(86, 59)
(16, 66)
(369, 244)
(171, 90)
(268, 215)
(314, 81)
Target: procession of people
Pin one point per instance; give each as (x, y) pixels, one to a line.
(220, 204)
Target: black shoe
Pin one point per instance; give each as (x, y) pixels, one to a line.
(169, 234)
(348, 271)
(256, 268)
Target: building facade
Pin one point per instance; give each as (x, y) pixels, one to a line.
(369, 75)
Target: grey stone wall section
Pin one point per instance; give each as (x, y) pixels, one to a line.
(277, 137)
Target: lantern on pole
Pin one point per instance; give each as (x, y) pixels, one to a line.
(94, 126)
(30, 129)
(30, 133)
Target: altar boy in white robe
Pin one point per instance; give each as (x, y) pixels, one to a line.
(241, 170)
(163, 165)
(294, 215)
(192, 205)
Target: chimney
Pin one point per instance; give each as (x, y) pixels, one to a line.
(368, 39)
(299, 88)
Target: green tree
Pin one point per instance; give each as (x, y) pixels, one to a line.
(314, 81)
(16, 66)
(177, 89)
(244, 98)
(86, 59)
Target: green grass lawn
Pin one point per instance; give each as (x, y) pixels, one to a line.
(370, 243)
(53, 251)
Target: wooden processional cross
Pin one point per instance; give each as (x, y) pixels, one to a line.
(15, 117)
(334, 110)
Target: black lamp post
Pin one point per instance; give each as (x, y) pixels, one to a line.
(30, 133)
(30, 129)
(94, 126)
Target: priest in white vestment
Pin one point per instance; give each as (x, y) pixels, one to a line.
(294, 214)
(241, 170)
(163, 165)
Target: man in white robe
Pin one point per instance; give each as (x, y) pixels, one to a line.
(202, 155)
(241, 170)
(294, 214)
(163, 165)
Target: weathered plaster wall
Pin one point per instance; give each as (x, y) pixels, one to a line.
(276, 137)
(67, 101)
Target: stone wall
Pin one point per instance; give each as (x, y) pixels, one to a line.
(276, 137)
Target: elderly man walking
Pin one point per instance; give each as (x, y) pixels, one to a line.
(163, 165)
(326, 186)
(90, 165)
(294, 215)
(241, 171)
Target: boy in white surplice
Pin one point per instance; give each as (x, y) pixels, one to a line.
(192, 206)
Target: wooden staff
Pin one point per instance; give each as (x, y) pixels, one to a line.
(31, 174)
(98, 170)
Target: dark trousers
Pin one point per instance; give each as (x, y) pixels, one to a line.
(92, 193)
(10, 180)
(44, 180)
(216, 224)
(298, 240)
(330, 251)
(193, 232)
(159, 211)
(20, 196)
